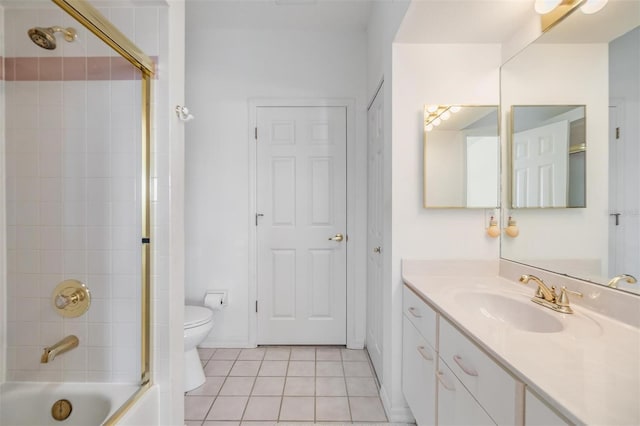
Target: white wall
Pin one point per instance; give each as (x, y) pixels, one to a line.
(430, 74)
(225, 69)
(562, 74)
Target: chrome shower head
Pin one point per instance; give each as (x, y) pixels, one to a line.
(45, 38)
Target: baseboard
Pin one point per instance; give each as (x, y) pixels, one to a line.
(240, 344)
(395, 414)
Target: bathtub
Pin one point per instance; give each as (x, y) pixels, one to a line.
(29, 403)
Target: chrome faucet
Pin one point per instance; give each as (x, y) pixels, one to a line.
(62, 346)
(548, 298)
(613, 283)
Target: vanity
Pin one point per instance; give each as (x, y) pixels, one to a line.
(478, 351)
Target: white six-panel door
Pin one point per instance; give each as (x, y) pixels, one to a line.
(301, 205)
(540, 165)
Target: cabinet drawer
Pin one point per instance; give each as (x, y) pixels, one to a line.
(420, 315)
(418, 374)
(492, 386)
(456, 406)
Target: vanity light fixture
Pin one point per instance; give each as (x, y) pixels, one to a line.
(554, 11)
(434, 115)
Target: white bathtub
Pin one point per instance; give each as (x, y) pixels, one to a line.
(29, 403)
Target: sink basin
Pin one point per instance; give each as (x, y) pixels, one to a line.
(523, 315)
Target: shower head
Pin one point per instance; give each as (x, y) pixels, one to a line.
(44, 37)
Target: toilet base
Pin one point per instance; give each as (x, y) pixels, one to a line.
(193, 371)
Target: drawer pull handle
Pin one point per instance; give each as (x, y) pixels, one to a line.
(445, 385)
(469, 370)
(413, 311)
(423, 352)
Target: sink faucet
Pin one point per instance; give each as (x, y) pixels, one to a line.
(548, 298)
(64, 345)
(548, 294)
(613, 283)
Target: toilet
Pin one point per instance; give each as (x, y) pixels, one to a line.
(198, 322)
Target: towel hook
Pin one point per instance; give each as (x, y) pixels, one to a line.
(183, 113)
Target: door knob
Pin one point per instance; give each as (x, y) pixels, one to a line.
(377, 249)
(337, 237)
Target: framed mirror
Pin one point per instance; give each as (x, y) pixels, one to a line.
(461, 156)
(588, 63)
(548, 156)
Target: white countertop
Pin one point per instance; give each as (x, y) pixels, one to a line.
(589, 371)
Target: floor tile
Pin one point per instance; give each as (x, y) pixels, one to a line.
(301, 368)
(205, 353)
(367, 409)
(215, 423)
(362, 386)
(218, 368)
(267, 386)
(303, 354)
(228, 408)
(254, 354)
(245, 368)
(357, 369)
(330, 386)
(196, 407)
(300, 386)
(328, 354)
(252, 423)
(211, 386)
(262, 408)
(237, 386)
(297, 408)
(354, 355)
(226, 354)
(277, 354)
(273, 368)
(329, 368)
(193, 422)
(332, 409)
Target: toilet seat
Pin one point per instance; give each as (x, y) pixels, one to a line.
(195, 316)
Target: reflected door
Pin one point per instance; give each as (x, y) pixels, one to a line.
(540, 166)
(301, 234)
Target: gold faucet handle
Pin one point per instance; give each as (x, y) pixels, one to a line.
(563, 299)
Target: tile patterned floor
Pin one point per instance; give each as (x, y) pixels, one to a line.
(295, 384)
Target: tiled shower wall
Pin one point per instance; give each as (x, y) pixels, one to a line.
(73, 179)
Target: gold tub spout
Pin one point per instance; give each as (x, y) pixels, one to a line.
(62, 346)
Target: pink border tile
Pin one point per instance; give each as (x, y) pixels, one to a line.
(50, 69)
(26, 69)
(74, 69)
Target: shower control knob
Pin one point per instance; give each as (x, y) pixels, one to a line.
(71, 298)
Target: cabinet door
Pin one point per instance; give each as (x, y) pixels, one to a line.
(537, 413)
(418, 374)
(456, 406)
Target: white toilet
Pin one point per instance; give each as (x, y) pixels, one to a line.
(198, 322)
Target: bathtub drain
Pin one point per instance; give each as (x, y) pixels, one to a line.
(61, 409)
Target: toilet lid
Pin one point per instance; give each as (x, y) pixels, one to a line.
(196, 315)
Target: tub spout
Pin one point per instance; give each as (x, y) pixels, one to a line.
(62, 346)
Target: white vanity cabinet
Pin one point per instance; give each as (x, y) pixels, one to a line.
(538, 413)
(419, 358)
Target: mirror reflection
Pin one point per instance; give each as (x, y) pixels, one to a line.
(461, 156)
(590, 62)
(548, 145)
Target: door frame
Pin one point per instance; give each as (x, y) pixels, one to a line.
(356, 292)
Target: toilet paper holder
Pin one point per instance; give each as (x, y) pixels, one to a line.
(216, 298)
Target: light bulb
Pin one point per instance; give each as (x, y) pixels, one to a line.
(592, 6)
(445, 115)
(437, 122)
(512, 228)
(429, 127)
(493, 231)
(455, 108)
(432, 108)
(545, 6)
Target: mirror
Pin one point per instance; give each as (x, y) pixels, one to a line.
(461, 156)
(548, 163)
(590, 62)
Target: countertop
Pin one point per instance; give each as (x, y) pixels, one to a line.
(590, 371)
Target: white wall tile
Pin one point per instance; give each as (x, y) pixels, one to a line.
(74, 214)
(50, 164)
(51, 189)
(28, 237)
(51, 261)
(51, 237)
(75, 262)
(98, 212)
(52, 214)
(27, 213)
(28, 261)
(98, 262)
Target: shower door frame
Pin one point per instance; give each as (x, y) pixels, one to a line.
(83, 12)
